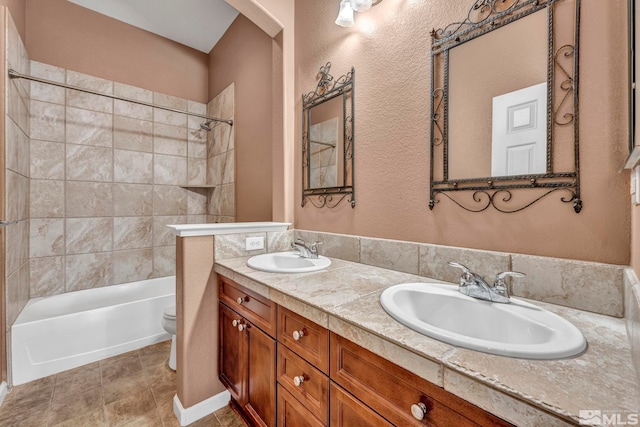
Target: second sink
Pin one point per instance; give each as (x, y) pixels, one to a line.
(287, 262)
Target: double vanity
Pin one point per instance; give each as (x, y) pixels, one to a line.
(319, 341)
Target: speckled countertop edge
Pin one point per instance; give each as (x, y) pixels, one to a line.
(603, 377)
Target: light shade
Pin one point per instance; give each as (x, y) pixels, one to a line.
(345, 16)
(361, 5)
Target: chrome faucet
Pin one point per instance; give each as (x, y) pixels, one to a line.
(304, 250)
(475, 286)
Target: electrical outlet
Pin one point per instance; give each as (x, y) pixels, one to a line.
(254, 243)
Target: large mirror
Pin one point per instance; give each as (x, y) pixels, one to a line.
(327, 140)
(504, 124)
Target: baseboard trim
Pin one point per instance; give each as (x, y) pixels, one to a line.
(193, 413)
(4, 390)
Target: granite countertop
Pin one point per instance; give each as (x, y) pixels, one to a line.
(345, 299)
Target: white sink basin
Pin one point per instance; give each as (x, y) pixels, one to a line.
(517, 329)
(287, 262)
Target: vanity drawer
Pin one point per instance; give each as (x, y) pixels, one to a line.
(254, 307)
(347, 411)
(308, 339)
(292, 413)
(312, 391)
(391, 390)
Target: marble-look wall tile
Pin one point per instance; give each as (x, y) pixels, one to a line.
(632, 314)
(197, 171)
(196, 108)
(87, 81)
(88, 199)
(228, 175)
(584, 285)
(164, 261)
(169, 200)
(46, 237)
(434, 262)
(88, 101)
(198, 136)
(46, 199)
(132, 265)
(132, 92)
(17, 246)
(46, 92)
(132, 134)
(132, 199)
(87, 271)
(17, 149)
(87, 163)
(169, 170)
(132, 232)
(498, 403)
(197, 219)
(339, 246)
(226, 102)
(280, 241)
(162, 235)
(169, 139)
(133, 167)
(197, 201)
(233, 245)
(169, 118)
(47, 121)
(17, 293)
(88, 235)
(47, 160)
(132, 110)
(17, 194)
(89, 127)
(170, 101)
(197, 150)
(392, 254)
(46, 276)
(228, 200)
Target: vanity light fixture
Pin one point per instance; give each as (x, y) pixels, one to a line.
(347, 7)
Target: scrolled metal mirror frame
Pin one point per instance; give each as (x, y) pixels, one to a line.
(327, 89)
(483, 17)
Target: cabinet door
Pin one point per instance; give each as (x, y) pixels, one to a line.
(292, 413)
(261, 385)
(233, 357)
(347, 411)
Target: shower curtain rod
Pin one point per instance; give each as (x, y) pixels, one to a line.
(16, 75)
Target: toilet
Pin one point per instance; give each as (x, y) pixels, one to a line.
(169, 325)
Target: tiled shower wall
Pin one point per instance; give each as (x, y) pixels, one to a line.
(106, 177)
(221, 158)
(17, 175)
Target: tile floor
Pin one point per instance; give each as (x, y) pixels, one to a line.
(132, 389)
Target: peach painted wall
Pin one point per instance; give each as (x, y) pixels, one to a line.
(391, 59)
(18, 11)
(243, 56)
(64, 34)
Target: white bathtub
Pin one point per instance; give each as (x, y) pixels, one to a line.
(60, 332)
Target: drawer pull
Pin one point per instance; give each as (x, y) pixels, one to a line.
(419, 411)
(242, 300)
(298, 334)
(298, 380)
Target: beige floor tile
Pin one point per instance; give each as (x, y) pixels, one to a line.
(131, 408)
(120, 388)
(77, 381)
(119, 367)
(95, 418)
(156, 354)
(74, 405)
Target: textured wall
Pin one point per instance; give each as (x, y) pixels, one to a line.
(392, 135)
(69, 36)
(243, 56)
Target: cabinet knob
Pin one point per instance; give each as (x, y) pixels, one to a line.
(242, 300)
(235, 323)
(298, 334)
(419, 411)
(298, 380)
(242, 327)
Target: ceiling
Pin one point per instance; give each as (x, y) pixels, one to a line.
(195, 23)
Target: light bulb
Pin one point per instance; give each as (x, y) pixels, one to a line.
(345, 16)
(361, 5)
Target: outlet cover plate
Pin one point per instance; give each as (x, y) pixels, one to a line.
(254, 243)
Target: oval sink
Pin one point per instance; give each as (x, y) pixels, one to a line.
(517, 329)
(287, 262)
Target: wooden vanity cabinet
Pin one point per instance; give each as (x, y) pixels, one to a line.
(391, 391)
(247, 352)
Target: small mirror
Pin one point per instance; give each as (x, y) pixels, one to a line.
(327, 141)
(504, 97)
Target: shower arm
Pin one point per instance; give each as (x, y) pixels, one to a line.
(16, 75)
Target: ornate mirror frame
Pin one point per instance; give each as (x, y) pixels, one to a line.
(562, 111)
(326, 90)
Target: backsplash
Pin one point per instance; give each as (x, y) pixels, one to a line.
(632, 314)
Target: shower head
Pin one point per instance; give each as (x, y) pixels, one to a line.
(205, 126)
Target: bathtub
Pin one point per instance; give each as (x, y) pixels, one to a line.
(60, 332)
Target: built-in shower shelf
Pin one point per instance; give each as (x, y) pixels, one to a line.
(197, 186)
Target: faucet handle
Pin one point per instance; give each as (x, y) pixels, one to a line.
(460, 266)
(467, 275)
(500, 286)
